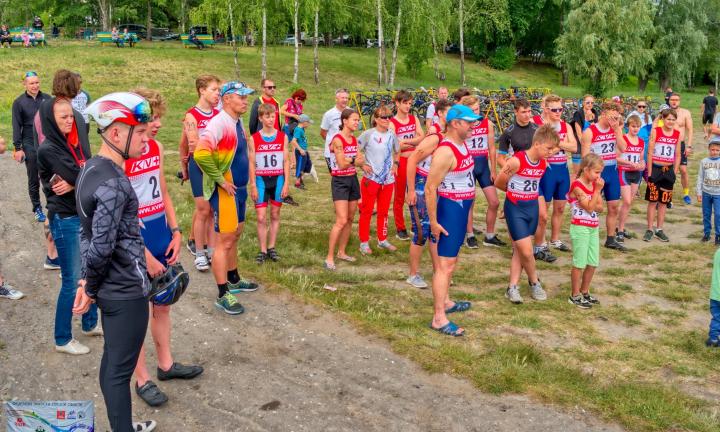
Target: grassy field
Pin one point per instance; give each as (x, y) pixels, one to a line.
(639, 359)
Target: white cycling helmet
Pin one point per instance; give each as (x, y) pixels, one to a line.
(122, 107)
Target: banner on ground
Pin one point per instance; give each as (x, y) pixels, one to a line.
(50, 416)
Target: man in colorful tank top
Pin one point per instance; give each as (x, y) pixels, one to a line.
(194, 123)
(520, 180)
(555, 184)
(604, 139)
(222, 154)
(162, 238)
(409, 133)
(449, 194)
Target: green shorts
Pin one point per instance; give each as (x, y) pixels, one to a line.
(586, 246)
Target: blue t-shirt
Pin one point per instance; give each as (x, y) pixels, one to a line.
(299, 135)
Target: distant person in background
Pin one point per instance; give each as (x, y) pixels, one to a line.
(115, 36)
(668, 93)
(646, 120)
(38, 24)
(431, 116)
(32, 38)
(708, 110)
(129, 38)
(55, 31)
(292, 110)
(192, 37)
(5, 37)
(582, 119)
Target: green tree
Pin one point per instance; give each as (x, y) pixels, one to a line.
(606, 40)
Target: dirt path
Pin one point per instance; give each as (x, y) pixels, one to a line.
(282, 366)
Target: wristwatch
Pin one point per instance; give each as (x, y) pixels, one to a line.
(176, 229)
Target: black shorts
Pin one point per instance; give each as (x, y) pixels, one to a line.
(683, 158)
(345, 188)
(707, 118)
(660, 184)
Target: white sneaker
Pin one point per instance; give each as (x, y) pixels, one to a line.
(144, 426)
(73, 347)
(201, 262)
(314, 175)
(387, 246)
(95, 331)
(417, 281)
(537, 292)
(8, 292)
(513, 294)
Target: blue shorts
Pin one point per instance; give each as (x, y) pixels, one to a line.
(521, 218)
(555, 183)
(269, 190)
(228, 211)
(577, 158)
(196, 178)
(611, 190)
(453, 216)
(482, 172)
(419, 218)
(156, 235)
(303, 164)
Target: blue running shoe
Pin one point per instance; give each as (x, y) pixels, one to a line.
(687, 199)
(39, 215)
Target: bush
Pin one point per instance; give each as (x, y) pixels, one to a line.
(503, 58)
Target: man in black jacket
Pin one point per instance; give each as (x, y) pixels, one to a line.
(24, 109)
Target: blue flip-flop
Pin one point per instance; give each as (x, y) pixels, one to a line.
(449, 329)
(459, 306)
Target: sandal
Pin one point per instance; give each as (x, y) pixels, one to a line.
(459, 306)
(347, 258)
(449, 329)
(273, 255)
(329, 266)
(151, 394)
(261, 257)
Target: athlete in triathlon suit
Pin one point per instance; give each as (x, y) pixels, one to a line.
(449, 193)
(196, 119)
(222, 154)
(664, 150)
(631, 164)
(603, 138)
(481, 144)
(418, 167)
(520, 180)
(409, 132)
(270, 173)
(114, 271)
(162, 238)
(555, 183)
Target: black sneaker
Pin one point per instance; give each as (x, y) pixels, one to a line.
(471, 242)
(273, 255)
(669, 205)
(580, 302)
(590, 299)
(402, 235)
(151, 394)
(628, 234)
(261, 257)
(290, 201)
(191, 247)
(545, 255)
(494, 241)
(706, 238)
(179, 371)
(620, 237)
(612, 244)
(661, 235)
(648, 235)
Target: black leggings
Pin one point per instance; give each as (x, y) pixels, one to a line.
(32, 173)
(124, 323)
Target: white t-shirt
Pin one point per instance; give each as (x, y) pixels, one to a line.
(379, 148)
(430, 114)
(330, 123)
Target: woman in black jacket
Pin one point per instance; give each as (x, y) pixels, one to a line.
(61, 154)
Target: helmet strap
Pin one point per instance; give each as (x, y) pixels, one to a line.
(125, 154)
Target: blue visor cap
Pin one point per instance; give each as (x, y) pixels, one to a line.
(461, 112)
(237, 87)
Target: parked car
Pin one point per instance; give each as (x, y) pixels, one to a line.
(342, 40)
(373, 43)
(308, 39)
(455, 49)
(290, 40)
(139, 29)
(163, 34)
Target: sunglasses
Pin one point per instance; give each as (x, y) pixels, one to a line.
(642, 106)
(30, 74)
(386, 117)
(556, 110)
(271, 87)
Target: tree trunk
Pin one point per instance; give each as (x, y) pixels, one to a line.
(462, 44)
(395, 46)
(263, 72)
(436, 66)
(642, 84)
(297, 42)
(664, 81)
(183, 16)
(316, 59)
(105, 19)
(233, 41)
(565, 77)
(716, 81)
(381, 54)
(149, 21)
